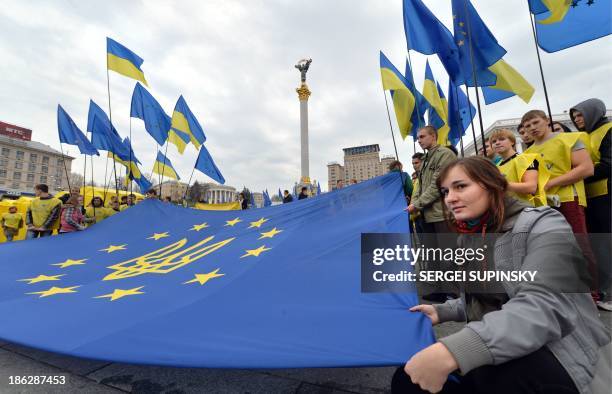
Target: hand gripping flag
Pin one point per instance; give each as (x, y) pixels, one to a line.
(207, 166)
(460, 113)
(163, 167)
(70, 134)
(122, 60)
(485, 50)
(145, 107)
(184, 121)
(104, 136)
(562, 24)
(509, 83)
(403, 98)
(277, 287)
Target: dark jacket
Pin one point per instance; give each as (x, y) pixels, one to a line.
(287, 198)
(302, 196)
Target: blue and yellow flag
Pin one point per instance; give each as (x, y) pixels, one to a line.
(163, 167)
(221, 289)
(403, 99)
(145, 107)
(485, 50)
(427, 35)
(122, 60)
(509, 83)
(178, 139)
(207, 166)
(69, 133)
(437, 112)
(184, 121)
(562, 24)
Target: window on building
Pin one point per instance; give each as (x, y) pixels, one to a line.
(17, 176)
(45, 170)
(5, 152)
(30, 178)
(18, 165)
(46, 160)
(60, 161)
(33, 157)
(4, 163)
(20, 155)
(31, 167)
(43, 179)
(15, 185)
(2, 173)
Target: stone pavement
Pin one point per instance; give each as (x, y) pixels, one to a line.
(89, 376)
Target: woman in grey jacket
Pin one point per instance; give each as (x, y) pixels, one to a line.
(536, 336)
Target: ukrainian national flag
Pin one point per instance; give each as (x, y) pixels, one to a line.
(122, 60)
(184, 121)
(179, 139)
(509, 83)
(438, 113)
(163, 167)
(403, 99)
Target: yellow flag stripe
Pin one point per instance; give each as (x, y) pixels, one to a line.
(558, 9)
(180, 123)
(510, 80)
(403, 103)
(164, 170)
(177, 141)
(125, 67)
(391, 81)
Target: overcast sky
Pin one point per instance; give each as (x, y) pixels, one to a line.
(233, 62)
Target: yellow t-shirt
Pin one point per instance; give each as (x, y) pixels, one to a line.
(101, 213)
(514, 170)
(600, 187)
(41, 209)
(12, 220)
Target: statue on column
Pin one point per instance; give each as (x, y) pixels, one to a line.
(303, 67)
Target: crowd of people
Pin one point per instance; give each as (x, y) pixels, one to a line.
(529, 337)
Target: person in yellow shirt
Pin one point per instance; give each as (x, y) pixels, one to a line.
(11, 222)
(43, 214)
(521, 171)
(96, 210)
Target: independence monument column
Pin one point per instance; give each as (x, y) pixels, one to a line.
(303, 94)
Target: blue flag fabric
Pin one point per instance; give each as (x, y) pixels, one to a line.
(427, 35)
(485, 50)
(238, 289)
(318, 188)
(185, 121)
(252, 201)
(420, 106)
(459, 111)
(207, 166)
(70, 134)
(104, 136)
(280, 194)
(266, 197)
(145, 107)
(571, 23)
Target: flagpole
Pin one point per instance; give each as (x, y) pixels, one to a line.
(130, 162)
(467, 93)
(535, 38)
(85, 171)
(188, 183)
(92, 188)
(110, 121)
(163, 170)
(469, 31)
(65, 167)
(394, 145)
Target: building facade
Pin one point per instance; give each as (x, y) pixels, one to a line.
(360, 163)
(212, 192)
(25, 163)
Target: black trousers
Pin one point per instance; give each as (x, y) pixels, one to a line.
(599, 224)
(536, 373)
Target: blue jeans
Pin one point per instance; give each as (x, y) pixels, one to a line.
(9, 233)
(38, 234)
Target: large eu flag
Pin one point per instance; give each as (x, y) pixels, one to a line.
(263, 288)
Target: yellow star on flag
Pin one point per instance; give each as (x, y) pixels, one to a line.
(232, 222)
(157, 236)
(203, 278)
(40, 278)
(113, 248)
(198, 227)
(270, 233)
(120, 293)
(461, 24)
(70, 262)
(258, 223)
(55, 290)
(255, 252)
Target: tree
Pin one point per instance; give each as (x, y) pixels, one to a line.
(76, 180)
(194, 192)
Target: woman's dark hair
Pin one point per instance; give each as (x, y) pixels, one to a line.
(487, 175)
(563, 127)
(97, 198)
